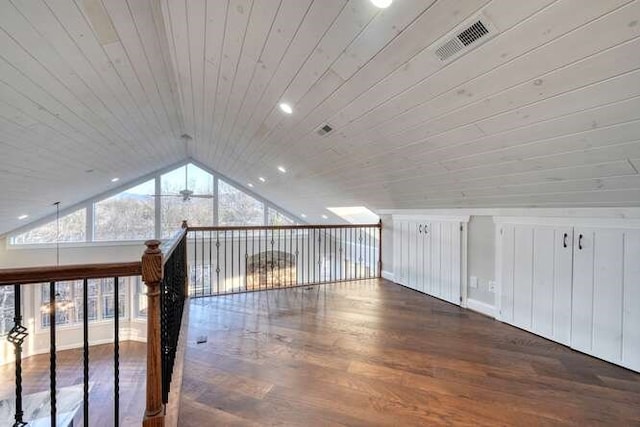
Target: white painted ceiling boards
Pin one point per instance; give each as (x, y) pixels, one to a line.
(544, 111)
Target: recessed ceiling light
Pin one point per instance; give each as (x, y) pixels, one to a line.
(282, 169)
(286, 108)
(250, 185)
(25, 216)
(115, 179)
(262, 179)
(325, 217)
(303, 215)
(382, 4)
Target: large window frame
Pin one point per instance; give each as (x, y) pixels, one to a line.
(89, 207)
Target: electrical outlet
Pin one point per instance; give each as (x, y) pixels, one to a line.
(473, 282)
(492, 286)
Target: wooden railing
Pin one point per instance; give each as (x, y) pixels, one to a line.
(163, 269)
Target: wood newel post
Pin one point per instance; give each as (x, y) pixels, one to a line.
(152, 276)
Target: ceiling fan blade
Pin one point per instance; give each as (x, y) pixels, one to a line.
(164, 195)
(202, 196)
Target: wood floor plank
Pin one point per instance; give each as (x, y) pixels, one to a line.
(375, 353)
(35, 374)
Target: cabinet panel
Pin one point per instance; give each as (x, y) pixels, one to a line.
(631, 301)
(435, 273)
(523, 276)
(427, 277)
(582, 302)
(412, 260)
(456, 265)
(419, 285)
(607, 294)
(506, 276)
(562, 284)
(544, 248)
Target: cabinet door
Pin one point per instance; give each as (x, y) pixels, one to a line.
(523, 276)
(507, 258)
(419, 284)
(434, 243)
(562, 285)
(598, 292)
(427, 280)
(631, 303)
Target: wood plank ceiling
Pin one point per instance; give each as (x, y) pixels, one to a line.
(545, 112)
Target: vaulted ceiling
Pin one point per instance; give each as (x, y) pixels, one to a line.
(544, 110)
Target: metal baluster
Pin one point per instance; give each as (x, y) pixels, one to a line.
(195, 263)
(313, 259)
(217, 262)
(210, 265)
(340, 252)
(232, 256)
(116, 354)
(278, 259)
(239, 259)
(202, 260)
(360, 254)
(253, 257)
(298, 258)
(52, 350)
(272, 243)
(225, 261)
(16, 337)
(260, 260)
(324, 258)
(85, 342)
(246, 258)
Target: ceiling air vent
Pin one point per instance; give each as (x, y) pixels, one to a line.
(461, 39)
(324, 130)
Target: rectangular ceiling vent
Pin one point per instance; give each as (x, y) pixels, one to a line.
(461, 39)
(324, 130)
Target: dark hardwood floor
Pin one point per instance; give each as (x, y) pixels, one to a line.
(133, 359)
(374, 353)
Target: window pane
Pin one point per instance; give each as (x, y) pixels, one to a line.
(277, 218)
(73, 228)
(65, 304)
(237, 207)
(7, 307)
(141, 297)
(129, 215)
(108, 303)
(196, 210)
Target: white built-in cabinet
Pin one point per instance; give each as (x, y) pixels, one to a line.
(576, 285)
(427, 256)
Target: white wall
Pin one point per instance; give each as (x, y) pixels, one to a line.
(101, 332)
(481, 258)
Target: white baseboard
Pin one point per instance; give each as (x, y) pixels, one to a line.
(388, 275)
(481, 307)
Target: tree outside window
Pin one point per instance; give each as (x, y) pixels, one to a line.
(129, 215)
(236, 207)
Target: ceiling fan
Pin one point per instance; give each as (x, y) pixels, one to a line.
(185, 194)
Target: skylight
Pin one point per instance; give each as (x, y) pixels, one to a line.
(356, 214)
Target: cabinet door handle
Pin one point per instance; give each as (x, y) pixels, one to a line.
(564, 240)
(580, 242)
(420, 228)
(425, 229)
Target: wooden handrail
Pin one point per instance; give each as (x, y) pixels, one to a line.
(24, 276)
(283, 227)
(170, 245)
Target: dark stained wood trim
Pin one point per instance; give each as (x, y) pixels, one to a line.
(285, 227)
(23, 276)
